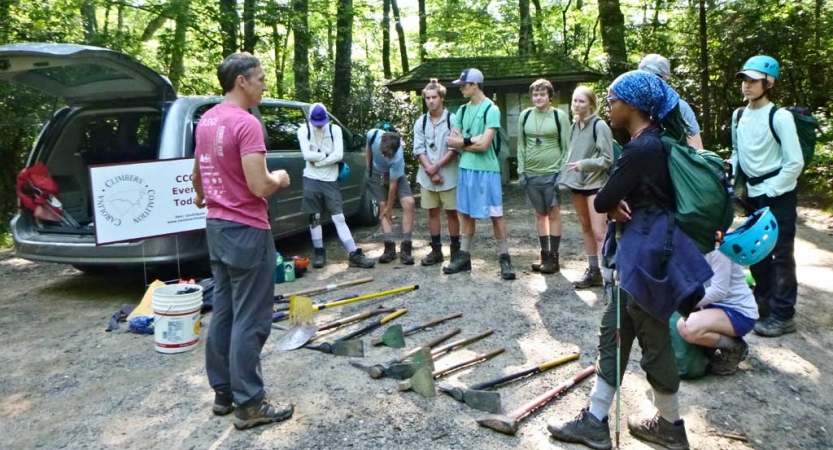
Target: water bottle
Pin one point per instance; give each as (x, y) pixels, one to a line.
(289, 270)
(279, 270)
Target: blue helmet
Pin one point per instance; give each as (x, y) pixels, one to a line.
(766, 65)
(344, 171)
(385, 126)
(753, 240)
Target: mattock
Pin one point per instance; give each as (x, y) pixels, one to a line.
(423, 380)
(380, 370)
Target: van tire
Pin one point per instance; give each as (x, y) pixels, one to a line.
(368, 213)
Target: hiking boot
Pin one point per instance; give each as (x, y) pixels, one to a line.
(536, 267)
(506, 270)
(436, 256)
(405, 256)
(357, 259)
(584, 429)
(774, 327)
(223, 403)
(725, 361)
(262, 413)
(320, 258)
(548, 264)
(460, 262)
(592, 277)
(455, 248)
(659, 431)
(389, 254)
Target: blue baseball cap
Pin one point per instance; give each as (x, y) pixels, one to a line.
(318, 115)
(469, 76)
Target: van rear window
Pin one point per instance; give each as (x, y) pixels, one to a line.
(81, 74)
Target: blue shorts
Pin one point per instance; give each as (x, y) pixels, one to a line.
(479, 194)
(740, 323)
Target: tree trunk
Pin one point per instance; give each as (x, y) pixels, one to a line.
(278, 52)
(249, 36)
(817, 71)
(331, 39)
(613, 36)
(229, 20)
(423, 31)
(89, 20)
(564, 38)
(300, 30)
(538, 23)
(343, 68)
(386, 39)
(180, 34)
(400, 32)
(526, 41)
(155, 24)
(705, 94)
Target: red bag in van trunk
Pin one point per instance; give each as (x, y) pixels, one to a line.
(37, 190)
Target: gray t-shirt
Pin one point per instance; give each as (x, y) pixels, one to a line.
(431, 143)
(728, 286)
(688, 116)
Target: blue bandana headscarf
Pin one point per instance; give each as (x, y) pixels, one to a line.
(645, 91)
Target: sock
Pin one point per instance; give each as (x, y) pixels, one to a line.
(455, 240)
(503, 245)
(727, 342)
(437, 240)
(465, 242)
(317, 236)
(601, 397)
(668, 406)
(593, 260)
(407, 236)
(545, 243)
(386, 237)
(555, 242)
(344, 233)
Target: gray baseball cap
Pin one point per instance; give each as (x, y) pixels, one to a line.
(656, 64)
(469, 76)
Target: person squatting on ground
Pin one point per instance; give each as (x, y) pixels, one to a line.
(438, 170)
(586, 171)
(723, 316)
(771, 170)
(479, 193)
(387, 180)
(230, 177)
(639, 196)
(323, 148)
(542, 148)
(661, 67)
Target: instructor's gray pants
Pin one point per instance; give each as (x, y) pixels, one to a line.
(243, 265)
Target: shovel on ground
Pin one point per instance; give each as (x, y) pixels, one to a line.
(508, 424)
(408, 368)
(478, 398)
(423, 380)
(380, 370)
(394, 336)
(348, 345)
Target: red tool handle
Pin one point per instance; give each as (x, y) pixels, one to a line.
(552, 393)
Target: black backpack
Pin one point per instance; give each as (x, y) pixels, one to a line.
(501, 138)
(309, 131)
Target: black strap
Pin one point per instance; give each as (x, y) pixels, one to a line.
(772, 125)
(447, 121)
(557, 123)
(754, 181)
(309, 132)
(594, 128)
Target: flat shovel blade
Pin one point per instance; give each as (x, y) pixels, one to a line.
(394, 337)
(297, 337)
(483, 400)
(352, 347)
(423, 383)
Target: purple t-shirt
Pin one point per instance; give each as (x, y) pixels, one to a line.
(224, 135)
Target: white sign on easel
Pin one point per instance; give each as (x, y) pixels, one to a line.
(141, 200)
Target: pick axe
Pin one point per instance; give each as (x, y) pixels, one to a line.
(478, 398)
(508, 424)
(394, 336)
(348, 345)
(408, 368)
(423, 380)
(387, 369)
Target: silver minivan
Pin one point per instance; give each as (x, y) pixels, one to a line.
(120, 111)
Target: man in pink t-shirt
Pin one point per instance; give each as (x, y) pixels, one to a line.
(231, 178)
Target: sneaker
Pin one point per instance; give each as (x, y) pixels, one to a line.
(405, 256)
(774, 327)
(584, 429)
(725, 361)
(659, 431)
(389, 254)
(262, 413)
(357, 259)
(320, 258)
(506, 270)
(592, 277)
(435, 257)
(223, 403)
(460, 262)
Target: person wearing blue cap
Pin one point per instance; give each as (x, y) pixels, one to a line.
(771, 166)
(322, 147)
(479, 193)
(639, 197)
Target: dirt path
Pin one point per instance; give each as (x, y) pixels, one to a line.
(68, 384)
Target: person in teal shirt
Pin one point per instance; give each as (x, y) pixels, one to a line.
(479, 193)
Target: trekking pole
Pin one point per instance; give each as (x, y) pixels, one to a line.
(618, 341)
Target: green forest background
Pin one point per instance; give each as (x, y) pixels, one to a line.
(341, 52)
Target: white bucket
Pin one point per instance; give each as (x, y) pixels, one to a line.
(176, 317)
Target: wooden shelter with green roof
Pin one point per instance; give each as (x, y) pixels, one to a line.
(507, 80)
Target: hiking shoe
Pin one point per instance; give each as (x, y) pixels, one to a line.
(405, 256)
(436, 256)
(389, 254)
(459, 262)
(223, 403)
(506, 270)
(357, 259)
(262, 413)
(725, 361)
(455, 248)
(774, 327)
(320, 258)
(584, 429)
(592, 277)
(659, 431)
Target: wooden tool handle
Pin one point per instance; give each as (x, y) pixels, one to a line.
(354, 318)
(461, 343)
(522, 373)
(392, 316)
(433, 343)
(425, 325)
(327, 288)
(557, 362)
(478, 358)
(549, 395)
(366, 297)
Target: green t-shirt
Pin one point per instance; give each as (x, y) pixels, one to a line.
(472, 124)
(541, 150)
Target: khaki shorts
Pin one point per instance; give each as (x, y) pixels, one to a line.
(436, 199)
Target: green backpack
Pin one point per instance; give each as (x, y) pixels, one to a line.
(701, 189)
(692, 361)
